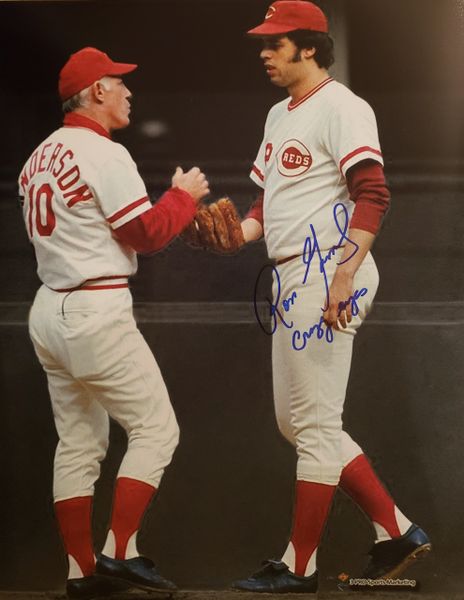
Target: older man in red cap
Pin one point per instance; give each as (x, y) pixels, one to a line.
(87, 213)
(323, 197)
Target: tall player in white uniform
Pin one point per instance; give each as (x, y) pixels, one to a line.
(322, 202)
(87, 214)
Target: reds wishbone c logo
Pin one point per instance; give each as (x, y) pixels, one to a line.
(293, 158)
(270, 12)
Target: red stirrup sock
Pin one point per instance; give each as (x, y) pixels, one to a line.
(312, 504)
(74, 519)
(131, 499)
(359, 481)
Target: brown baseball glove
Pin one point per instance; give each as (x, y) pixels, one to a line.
(216, 227)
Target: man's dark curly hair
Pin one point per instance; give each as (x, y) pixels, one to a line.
(322, 42)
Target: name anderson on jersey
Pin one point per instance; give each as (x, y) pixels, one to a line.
(55, 162)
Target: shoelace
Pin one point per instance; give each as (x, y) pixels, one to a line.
(271, 565)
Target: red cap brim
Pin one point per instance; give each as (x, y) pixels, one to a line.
(121, 68)
(270, 29)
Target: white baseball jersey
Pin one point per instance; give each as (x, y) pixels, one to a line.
(78, 186)
(302, 163)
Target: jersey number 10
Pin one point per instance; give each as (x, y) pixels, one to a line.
(40, 200)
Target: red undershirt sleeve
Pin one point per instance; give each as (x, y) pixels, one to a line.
(157, 227)
(368, 190)
(256, 210)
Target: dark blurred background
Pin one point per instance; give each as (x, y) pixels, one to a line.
(201, 97)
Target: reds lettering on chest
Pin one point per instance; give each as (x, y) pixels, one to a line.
(293, 158)
(58, 161)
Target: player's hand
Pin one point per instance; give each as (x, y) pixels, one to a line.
(251, 230)
(339, 312)
(194, 182)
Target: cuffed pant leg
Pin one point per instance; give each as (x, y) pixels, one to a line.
(310, 384)
(139, 402)
(350, 449)
(130, 387)
(309, 397)
(83, 429)
(82, 425)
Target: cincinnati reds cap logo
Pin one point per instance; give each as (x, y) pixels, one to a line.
(293, 159)
(270, 12)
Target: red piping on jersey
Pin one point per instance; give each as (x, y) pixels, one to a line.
(257, 172)
(127, 209)
(356, 152)
(311, 93)
(156, 227)
(74, 119)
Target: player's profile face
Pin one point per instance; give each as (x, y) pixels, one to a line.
(116, 102)
(278, 54)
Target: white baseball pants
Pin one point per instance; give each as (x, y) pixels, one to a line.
(98, 365)
(310, 384)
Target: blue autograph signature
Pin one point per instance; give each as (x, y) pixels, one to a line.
(311, 248)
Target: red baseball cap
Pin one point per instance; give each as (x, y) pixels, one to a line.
(85, 67)
(287, 15)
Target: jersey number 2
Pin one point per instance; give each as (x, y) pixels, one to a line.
(42, 199)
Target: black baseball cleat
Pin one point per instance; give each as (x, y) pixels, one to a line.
(390, 558)
(93, 586)
(139, 572)
(275, 578)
